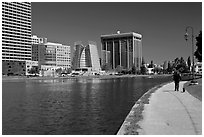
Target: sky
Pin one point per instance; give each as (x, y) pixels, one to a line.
(162, 25)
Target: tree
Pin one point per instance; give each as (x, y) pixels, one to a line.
(119, 68)
(182, 67)
(143, 69)
(133, 69)
(69, 70)
(165, 66)
(33, 70)
(170, 68)
(158, 70)
(198, 52)
(107, 67)
(143, 61)
(151, 65)
(59, 71)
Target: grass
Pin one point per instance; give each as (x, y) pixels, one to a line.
(195, 90)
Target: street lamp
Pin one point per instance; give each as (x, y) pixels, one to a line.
(186, 38)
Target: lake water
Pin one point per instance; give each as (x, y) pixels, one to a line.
(70, 106)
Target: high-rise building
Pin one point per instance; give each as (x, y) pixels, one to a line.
(16, 31)
(16, 37)
(122, 49)
(86, 57)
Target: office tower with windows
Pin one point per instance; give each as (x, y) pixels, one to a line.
(122, 49)
(16, 37)
(16, 31)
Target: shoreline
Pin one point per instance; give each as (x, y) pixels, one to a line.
(130, 126)
(10, 78)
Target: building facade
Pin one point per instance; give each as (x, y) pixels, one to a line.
(36, 40)
(16, 37)
(16, 31)
(122, 49)
(52, 55)
(198, 67)
(86, 57)
(63, 56)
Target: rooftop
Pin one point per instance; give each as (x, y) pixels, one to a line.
(118, 34)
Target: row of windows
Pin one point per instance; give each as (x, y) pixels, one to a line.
(109, 45)
(25, 11)
(16, 37)
(17, 23)
(18, 14)
(21, 40)
(137, 38)
(62, 50)
(63, 54)
(26, 4)
(21, 27)
(16, 7)
(27, 52)
(5, 41)
(18, 4)
(23, 58)
(16, 48)
(63, 47)
(19, 51)
(50, 59)
(4, 16)
(15, 14)
(116, 39)
(62, 61)
(22, 47)
(16, 33)
(63, 58)
(64, 65)
(16, 30)
(15, 55)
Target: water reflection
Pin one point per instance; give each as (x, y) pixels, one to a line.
(70, 106)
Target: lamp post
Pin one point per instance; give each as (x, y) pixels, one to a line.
(186, 38)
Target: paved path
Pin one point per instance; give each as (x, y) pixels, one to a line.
(171, 113)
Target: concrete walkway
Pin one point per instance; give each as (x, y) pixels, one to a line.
(171, 112)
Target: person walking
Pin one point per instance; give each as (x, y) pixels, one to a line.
(176, 78)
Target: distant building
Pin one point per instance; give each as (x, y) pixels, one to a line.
(150, 70)
(36, 40)
(52, 54)
(122, 49)
(198, 67)
(18, 67)
(30, 65)
(86, 57)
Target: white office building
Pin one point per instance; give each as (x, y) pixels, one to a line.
(36, 40)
